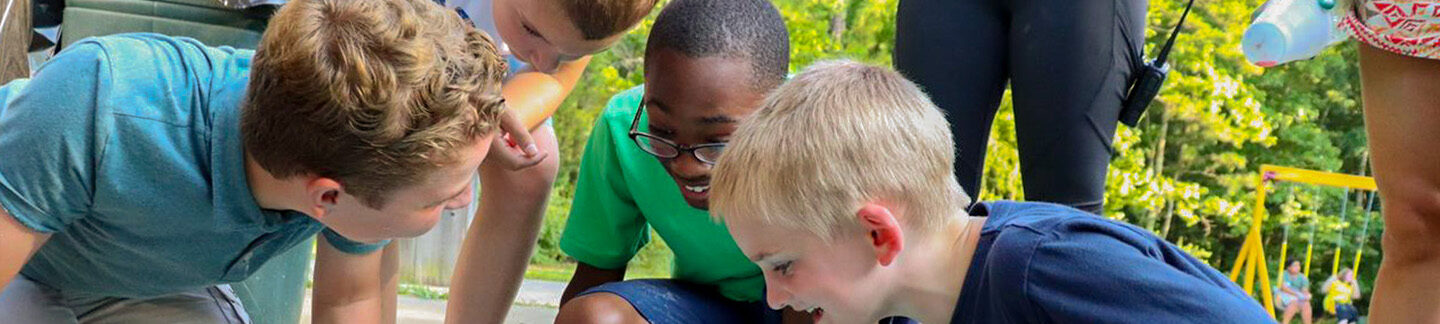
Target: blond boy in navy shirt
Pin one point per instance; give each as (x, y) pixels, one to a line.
(841, 189)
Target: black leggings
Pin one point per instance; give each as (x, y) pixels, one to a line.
(1068, 64)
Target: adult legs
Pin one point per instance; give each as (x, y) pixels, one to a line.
(1402, 119)
(955, 51)
(1071, 63)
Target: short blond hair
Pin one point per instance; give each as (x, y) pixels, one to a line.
(377, 94)
(836, 136)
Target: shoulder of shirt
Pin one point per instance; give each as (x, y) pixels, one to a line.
(1040, 224)
(1020, 229)
(1044, 222)
(138, 52)
(138, 44)
(621, 108)
(1038, 217)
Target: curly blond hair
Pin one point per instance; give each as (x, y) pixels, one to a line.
(376, 94)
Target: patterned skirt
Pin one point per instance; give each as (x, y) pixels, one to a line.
(1406, 27)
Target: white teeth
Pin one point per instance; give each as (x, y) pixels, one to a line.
(698, 189)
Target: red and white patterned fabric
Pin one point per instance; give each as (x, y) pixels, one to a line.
(1406, 27)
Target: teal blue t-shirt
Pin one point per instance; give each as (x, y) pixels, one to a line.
(1297, 283)
(127, 150)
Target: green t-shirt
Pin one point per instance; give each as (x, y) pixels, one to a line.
(623, 191)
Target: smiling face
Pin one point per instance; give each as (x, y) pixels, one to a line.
(839, 282)
(413, 210)
(694, 101)
(541, 34)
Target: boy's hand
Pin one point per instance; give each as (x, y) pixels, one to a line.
(514, 149)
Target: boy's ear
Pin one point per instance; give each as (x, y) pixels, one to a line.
(885, 234)
(321, 195)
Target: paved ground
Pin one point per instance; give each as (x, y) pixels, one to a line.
(536, 303)
(539, 292)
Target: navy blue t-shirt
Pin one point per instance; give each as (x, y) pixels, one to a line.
(1047, 263)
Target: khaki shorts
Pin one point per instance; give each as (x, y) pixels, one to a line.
(25, 301)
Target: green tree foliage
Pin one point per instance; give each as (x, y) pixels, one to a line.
(1187, 172)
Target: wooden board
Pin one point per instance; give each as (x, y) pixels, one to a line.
(14, 40)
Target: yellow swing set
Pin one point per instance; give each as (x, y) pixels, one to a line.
(1252, 252)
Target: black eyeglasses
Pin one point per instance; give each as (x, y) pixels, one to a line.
(665, 149)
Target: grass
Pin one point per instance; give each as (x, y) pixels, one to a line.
(422, 292)
(536, 305)
(550, 272)
(562, 272)
(653, 261)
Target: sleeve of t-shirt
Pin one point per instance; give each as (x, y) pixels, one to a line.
(605, 228)
(51, 141)
(349, 246)
(1093, 271)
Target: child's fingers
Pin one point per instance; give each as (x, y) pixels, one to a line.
(519, 136)
(529, 161)
(505, 153)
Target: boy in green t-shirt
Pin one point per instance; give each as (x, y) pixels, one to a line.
(708, 65)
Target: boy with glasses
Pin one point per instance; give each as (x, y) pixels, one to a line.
(647, 165)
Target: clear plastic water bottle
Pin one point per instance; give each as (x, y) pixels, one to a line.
(1290, 30)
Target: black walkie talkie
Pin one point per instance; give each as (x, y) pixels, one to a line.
(1147, 81)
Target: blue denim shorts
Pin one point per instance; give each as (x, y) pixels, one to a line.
(664, 301)
(1347, 312)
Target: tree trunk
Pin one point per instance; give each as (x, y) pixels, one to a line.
(1158, 161)
(837, 22)
(1169, 214)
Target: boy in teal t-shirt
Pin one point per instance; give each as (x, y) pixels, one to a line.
(1293, 293)
(140, 173)
(647, 163)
